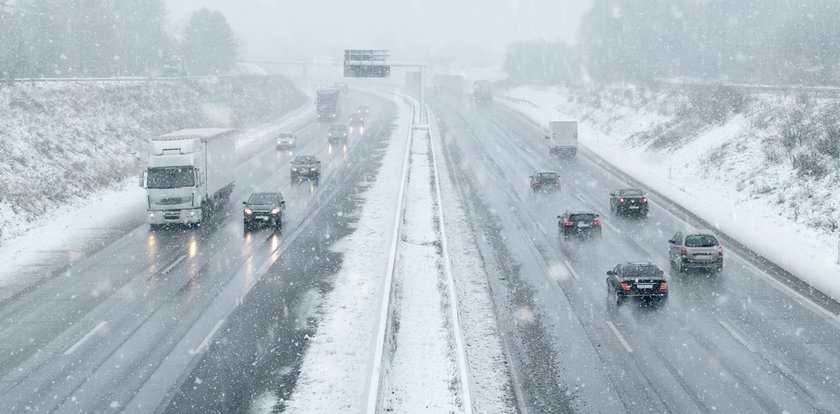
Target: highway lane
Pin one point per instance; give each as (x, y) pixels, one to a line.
(735, 342)
(88, 339)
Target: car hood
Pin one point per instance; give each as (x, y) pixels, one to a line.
(261, 207)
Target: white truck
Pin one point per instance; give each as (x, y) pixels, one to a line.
(190, 173)
(563, 138)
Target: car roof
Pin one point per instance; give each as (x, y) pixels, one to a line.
(630, 190)
(285, 133)
(546, 172)
(569, 213)
(337, 126)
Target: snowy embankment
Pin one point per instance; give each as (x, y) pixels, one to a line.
(743, 164)
(65, 143)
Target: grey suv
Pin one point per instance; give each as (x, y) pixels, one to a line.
(695, 250)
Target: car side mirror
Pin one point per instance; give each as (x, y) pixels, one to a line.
(244, 202)
(283, 202)
(672, 241)
(612, 194)
(546, 137)
(609, 272)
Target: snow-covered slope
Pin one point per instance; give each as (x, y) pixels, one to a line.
(60, 142)
(761, 168)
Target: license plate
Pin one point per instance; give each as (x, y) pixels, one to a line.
(634, 207)
(582, 224)
(644, 286)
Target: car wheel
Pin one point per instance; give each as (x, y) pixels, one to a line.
(619, 300)
(246, 224)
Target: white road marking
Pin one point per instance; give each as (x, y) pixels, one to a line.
(206, 342)
(175, 263)
(571, 269)
(87, 336)
(736, 335)
(620, 337)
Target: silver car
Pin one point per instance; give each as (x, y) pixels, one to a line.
(695, 250)
(286, 141)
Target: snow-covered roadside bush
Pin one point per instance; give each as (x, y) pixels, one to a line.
(60, 142)
(783, 149)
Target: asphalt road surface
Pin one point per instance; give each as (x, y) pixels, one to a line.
(739, 341)
(123, 327)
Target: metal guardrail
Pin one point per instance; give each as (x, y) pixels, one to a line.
(128, 79)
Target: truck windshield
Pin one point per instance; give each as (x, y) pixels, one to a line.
(170, 177)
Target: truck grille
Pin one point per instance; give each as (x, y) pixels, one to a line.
(173, 200)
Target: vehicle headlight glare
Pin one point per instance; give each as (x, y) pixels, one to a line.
(248, 211)
(275, 211)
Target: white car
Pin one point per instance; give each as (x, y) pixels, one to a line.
(286, 141)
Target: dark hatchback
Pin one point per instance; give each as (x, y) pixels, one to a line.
(640, 280)
(580, 224)
(264, 208)
(546, 180)
(629, 201)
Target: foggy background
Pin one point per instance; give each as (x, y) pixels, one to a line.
(475, 31)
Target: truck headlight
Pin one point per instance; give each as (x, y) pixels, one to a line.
(275, 211)
(248, 211)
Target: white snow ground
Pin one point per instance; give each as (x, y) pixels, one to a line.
(75, 228)
(708, 176)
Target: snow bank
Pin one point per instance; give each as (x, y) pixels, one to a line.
(63, 142)
(716, 165)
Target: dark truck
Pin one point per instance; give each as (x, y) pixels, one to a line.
(326, 105)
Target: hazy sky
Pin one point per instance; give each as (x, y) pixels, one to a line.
(475, 29)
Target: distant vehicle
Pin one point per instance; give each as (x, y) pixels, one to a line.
(695, 250)
(343, 87)
(365, 110)
(482, 92)
(640, 280)
(326, 105)
(357, 120)
(286, 141)
(173, 68)
(563, 138)
(264, 208)
(629, 201)
(546, 180)
(190, 173)
(337, 134)
(306, 167)
(579, 224)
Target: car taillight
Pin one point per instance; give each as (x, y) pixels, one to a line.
(568, 223)
(596, 223)
(683, 251)
(720, 251)
(625, 286)
(644, 199)
(621, 200)
(557, 181)
(663, 286)
(534, 182)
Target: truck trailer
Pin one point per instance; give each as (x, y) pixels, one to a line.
(563, 138)
(326, 105)
(191, 172)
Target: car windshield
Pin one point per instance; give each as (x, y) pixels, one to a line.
(262, 199)
(170, 177)
(631, 192)
(640, 270)
(700, 240)
(547, 176)
(338, 128)
(582, 217)
(285, 135)
(308, 159)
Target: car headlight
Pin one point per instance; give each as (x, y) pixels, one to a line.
(294, 169)
(248, 211)
(313, 169)
(151, 215)
(275, 211)
(192, 213)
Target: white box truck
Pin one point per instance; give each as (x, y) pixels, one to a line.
(563, 138)
(190, 173)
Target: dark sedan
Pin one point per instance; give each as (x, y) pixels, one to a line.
(629, 201)
(640, 280)
(546, 180)
(579, 223)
